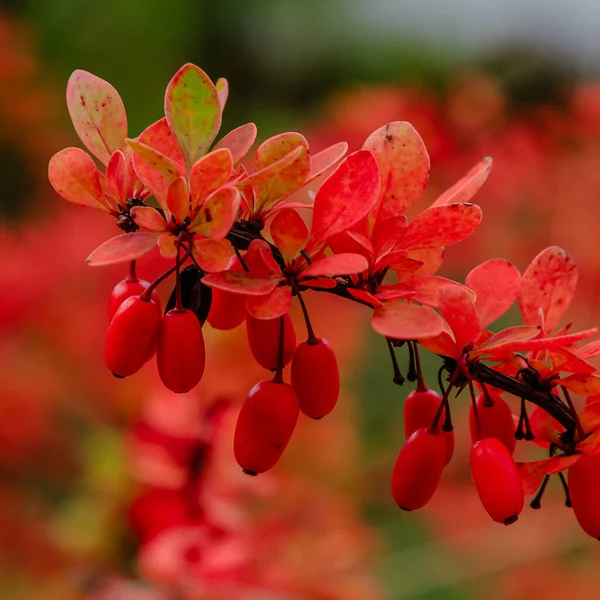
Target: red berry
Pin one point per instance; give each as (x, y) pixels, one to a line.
(264, 339)
(497, 480)
(495, 420)
(227, 310)
(265, 425)
(131, 335)
(125, 289)
(584, 489)
(420, 409)
(316, 378)
(180, 354)
(418, 469)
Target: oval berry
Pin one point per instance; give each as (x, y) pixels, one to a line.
(418, 469)
(265, 425)
(125, 289)
(495, 420)
(180, 354)
(132, 335)
(316, 378)
(420, 409)
(264, 340)
(497, 480)
(227, 310)
(584, 489)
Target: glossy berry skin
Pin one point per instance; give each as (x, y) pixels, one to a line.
(497, 480)
(418, 469)
(584, 489)
(420, 408)
(180, 353)
(131, 336)
(265, 425)
(496, 421)
(316, 378)
(227, 310)
(263, 339)
(125, 289)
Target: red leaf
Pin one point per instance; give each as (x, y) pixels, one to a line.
(496, 283)
(404, 166)
(290, 178)
(406, 268)
(178, 200)
(589, 417)
(122, 248)
(321, 283)
(289, 232)
(193, 111)
(442, 344)
(586, 385)
(240, 282)
(98, 114)
(431, 258)
(591, 444)
(326, 159)
(260, 261)
(589, 350)
(238, 141)
(441, 226)
(336, 264)
(273, 305)
(387, 233)
(548, 283)
(212, 255)
(464, 189)
(404, 321)
(117, 182)
(545, 429)
(567, 362)
(149, 218)
(458, 308)
(423, 290)
(208, 174)
(74, 176)
(345, 197)
(366, 297)
(217, 215)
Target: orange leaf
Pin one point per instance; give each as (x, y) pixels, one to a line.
(240, 282)
(149, 218)
(217, 215)
(289, 232)
(212, 255)
(270, 306)
(422, 289)
(117, 177)
(122, 248)
(208, 174)
(464, 189)
(178, 200)
(405, 321)
(586, 385)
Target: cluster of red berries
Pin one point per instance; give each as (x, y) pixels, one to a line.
(253, 253)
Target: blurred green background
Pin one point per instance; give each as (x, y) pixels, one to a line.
(290, 63)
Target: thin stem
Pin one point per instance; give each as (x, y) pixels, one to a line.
(412, 370)
(178, 302)
(444, 404)
(536, 503)
(475, 411)
(421, 387)
(279, 373)
(145, 295)
(312, 338)
(398, 377)
(579, 427)
(565, 486)
(131, 276)
(241, 259)
(488, 401)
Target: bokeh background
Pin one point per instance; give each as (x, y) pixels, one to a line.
(94, 471)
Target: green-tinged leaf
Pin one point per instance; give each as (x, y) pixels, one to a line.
(98, 114)
(208, 174)
(289, 232)
(496, 283)
(345, 197)
(548, 284)
(222, 87)
(240, 282)
(464, 189)
(74, 177)
(217, 215)
(212, 255)
(149, 218)
(193, 111)
(270, 306)
(336, 264)
(406, 321)
(441, 226)
(122, 248)
(404, 166)
(238, 141)
(292, 177)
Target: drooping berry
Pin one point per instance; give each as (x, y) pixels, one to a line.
(418, 469)
(132, 335)
(227, 310)
(497, 480)
(584, 489)
(265, 425)
(316, 378)
(495, 420)
(420, 409)
(125, 289)
(264, 340)
(180, 353)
